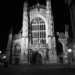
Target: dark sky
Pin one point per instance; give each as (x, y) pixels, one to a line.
(11, 16)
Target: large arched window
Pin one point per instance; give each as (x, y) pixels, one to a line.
(38, 31)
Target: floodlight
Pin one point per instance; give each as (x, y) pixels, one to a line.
(69, 50)
(0, 51)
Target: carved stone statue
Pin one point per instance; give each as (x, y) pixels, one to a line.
(66, 31)
(66, 27)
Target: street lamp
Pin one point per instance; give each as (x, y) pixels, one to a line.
(4, 57)
(0, 52)
(69, 50)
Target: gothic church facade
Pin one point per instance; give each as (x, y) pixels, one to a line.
(37, 35)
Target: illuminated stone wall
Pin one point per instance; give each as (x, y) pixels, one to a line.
(62, 38)
(45, 13)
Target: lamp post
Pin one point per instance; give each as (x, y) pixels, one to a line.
(70, 56)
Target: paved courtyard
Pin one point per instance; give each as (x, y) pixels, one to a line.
(37, 70)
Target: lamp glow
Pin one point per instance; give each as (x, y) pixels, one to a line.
(4, 57)
(69, 50)
(0, 51)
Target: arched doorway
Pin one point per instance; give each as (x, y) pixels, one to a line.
(16, 61)
(37, 58)
(17, 52)
(59, 48)
(60, 51)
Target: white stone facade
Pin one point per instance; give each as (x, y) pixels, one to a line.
(30, 14)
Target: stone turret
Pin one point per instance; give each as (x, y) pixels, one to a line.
(25, 7)
(66, 31)
(48, 4)
(25, 20)
(25, 24)
(49, 18)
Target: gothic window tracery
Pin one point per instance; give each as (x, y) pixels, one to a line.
(38, 30)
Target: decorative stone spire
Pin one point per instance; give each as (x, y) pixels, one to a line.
(38, 4)
(66, 27)
(25, 20)
(25, 6)
(66, 31)
(48, 4)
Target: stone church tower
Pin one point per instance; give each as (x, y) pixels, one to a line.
(36, 35)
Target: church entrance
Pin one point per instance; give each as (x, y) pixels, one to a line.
(37, 58)
(16, 61)
(59, 48)
(60, 51)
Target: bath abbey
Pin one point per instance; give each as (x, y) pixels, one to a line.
(36, 39)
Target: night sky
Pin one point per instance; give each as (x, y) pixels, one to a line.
(11, 16)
